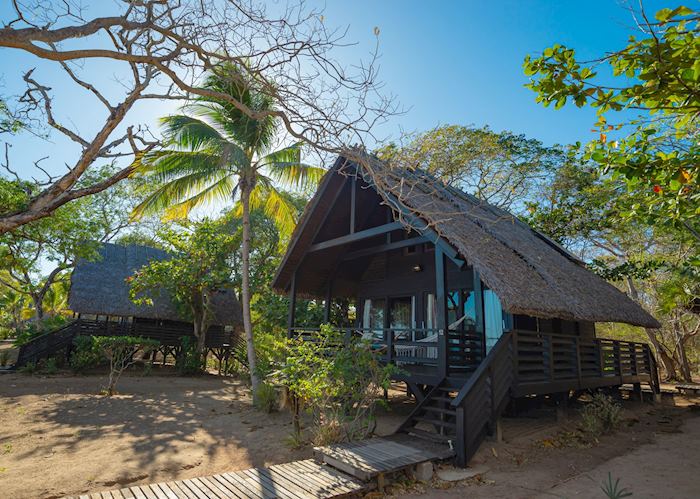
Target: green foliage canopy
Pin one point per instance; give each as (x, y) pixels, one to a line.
(658, 75)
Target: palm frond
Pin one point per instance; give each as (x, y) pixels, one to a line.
(218, 191)
(168, 164)
(190, 133)
(177, 191)
(276, 206)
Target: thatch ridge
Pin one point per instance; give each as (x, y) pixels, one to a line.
(99, 287)
(530, 273)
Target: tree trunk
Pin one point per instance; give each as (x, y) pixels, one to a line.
(246, 187)
(667, 361)
(38, 302)
(684, 365)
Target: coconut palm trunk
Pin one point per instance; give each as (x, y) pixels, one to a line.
(246, 188)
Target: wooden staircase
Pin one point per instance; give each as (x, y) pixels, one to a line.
(48, 344)
(461, 418)
(434, 418)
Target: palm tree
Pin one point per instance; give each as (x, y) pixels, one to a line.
(214, 152)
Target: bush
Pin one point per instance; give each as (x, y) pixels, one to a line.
(190, 361)
(49, 366)
(339, 383)
(120, 351)
(85, 354)
(36, 328)
(266, 398)
(602, 415)
(28, 368)
(4, 358)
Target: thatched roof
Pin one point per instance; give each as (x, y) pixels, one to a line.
(531, 274)
(99, 287)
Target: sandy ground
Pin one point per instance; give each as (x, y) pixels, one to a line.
(654, 455)
(58, 437)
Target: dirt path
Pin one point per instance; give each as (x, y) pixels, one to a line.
(665, 469)
(654, 455)
(58, 437)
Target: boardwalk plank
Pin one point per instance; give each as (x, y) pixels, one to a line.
(281, 478)
(181, 491)
(169, 493)
(247, 486)
(266, 481)
(346, 484)
(136, 490)
(217, 488)
(210, 494)
(236, 489)
(194, 488)
(326, 484)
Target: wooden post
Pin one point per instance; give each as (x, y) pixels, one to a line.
(461, 437)
(578, 360)
(441, 306)
(353, 207)
(479, 310)
(327, 304)
(292, 305)
(551, 356)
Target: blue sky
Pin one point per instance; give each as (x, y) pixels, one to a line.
(446, 62)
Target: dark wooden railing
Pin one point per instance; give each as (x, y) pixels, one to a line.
(169, 335)
(547, 363)
(482, 398)
(49, 342)
(397, 345)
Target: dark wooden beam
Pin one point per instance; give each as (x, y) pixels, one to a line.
(479, 310)
(421, 226)
(292, 304)
(385, 247)
(327, 304)
(441, 310)
(353, 203)
(357, 236)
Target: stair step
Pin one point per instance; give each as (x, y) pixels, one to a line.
(451, 412)
(433, 421)
(441, 399)
(429, 436)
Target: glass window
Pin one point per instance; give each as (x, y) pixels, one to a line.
(493, 318)
(469, 307)
(401, 316)
(453, 312)
(373, 319)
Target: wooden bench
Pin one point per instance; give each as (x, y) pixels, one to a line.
(685, 389)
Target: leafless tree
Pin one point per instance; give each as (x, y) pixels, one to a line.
(160, 49)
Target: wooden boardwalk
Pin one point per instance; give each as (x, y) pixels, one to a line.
(378, 456)
(296, 480)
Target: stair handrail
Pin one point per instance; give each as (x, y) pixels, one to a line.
(51, 332)
(483, 368)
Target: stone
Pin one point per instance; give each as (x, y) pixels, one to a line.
(459, 474)
(423, 472)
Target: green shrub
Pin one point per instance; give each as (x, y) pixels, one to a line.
(190, 361)
(339, 383)
(4, 358)
(612, 490)
(602, 415)
(49, 366)
(85, 354)
(28, 368)
(36, 328)
(266, 398)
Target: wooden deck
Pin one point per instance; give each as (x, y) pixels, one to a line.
(376, 456)
(296, 480)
